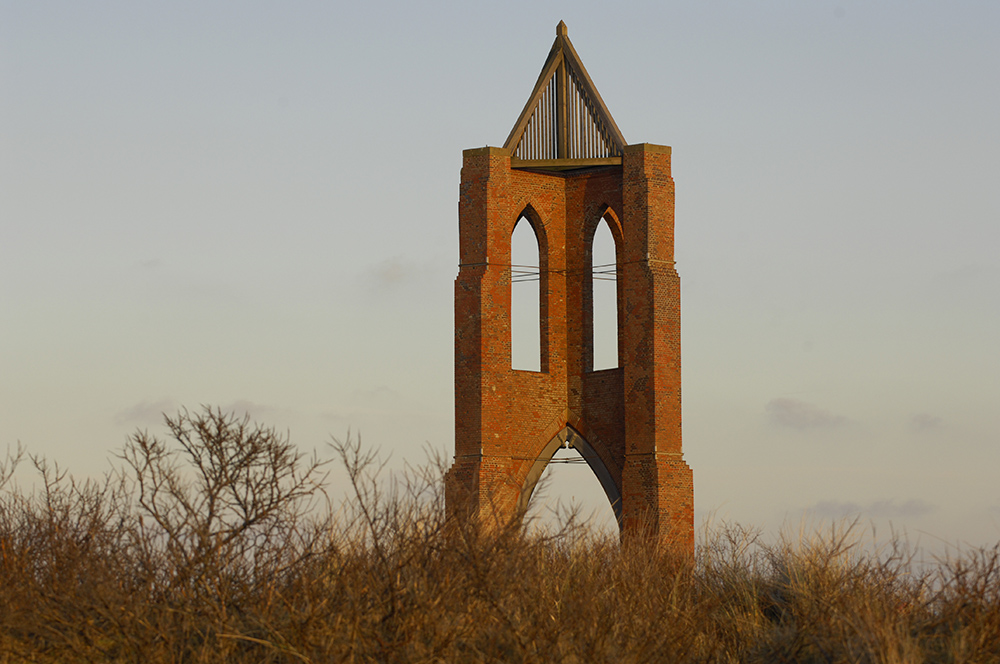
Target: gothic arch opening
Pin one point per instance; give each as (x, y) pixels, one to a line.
(525, 298)
(573, 476)
(604, 266)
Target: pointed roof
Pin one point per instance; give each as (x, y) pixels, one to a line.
(565, 123)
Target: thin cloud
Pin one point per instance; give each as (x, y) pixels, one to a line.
(834, 509)
(911, 508)
(150, 413)
(146, 413)
(241, 406)
(881, 509)
(923, 422)
(379, 397)
(795, 414)
(393, 273)
(256, 411)
(961, 276)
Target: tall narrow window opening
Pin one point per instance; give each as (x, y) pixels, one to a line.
(605, 271)
(525, 299)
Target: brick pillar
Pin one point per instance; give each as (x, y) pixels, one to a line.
(482, 335)
(657, 484)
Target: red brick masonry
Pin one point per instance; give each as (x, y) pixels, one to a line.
(508, 423)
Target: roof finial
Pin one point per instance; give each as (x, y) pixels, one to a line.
(561, 30)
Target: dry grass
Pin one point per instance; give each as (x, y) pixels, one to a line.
(217, 545)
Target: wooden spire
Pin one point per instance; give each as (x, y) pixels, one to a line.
(565, 123)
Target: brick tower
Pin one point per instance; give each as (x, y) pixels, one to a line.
(564, 168)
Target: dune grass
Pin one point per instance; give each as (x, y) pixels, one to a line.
(217, 544)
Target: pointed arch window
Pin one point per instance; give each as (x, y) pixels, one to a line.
(525, 298)
(604, 264)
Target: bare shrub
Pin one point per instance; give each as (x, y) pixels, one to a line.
(219, 518)
(218, 544)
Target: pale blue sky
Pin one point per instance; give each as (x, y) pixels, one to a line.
(254, 205)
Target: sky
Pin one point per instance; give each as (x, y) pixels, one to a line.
(253, 205)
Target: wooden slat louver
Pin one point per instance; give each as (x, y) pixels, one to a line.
(565, 123)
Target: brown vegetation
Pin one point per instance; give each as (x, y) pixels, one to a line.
(218, 545)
